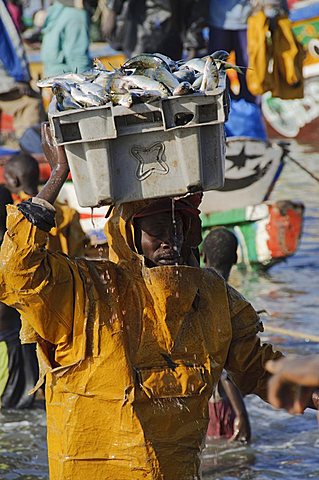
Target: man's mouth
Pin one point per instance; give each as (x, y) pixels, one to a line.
(168, 259)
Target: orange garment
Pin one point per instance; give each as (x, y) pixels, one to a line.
(275, 58)
(67, 237)
(131, 354)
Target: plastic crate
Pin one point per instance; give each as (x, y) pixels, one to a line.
(167, 148)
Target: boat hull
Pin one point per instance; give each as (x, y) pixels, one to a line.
(267, 233)
(251, 170)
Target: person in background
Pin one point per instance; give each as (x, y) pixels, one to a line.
(19, 370)
(66, 38)
(17, 98)
(292, 382)
(228, 31)
(228, 417)
(151, 26)
(22, 178)
(220, 250)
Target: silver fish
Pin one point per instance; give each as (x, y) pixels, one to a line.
(220, 55)
(125, 99)
(104, 79)
(87, 100)
(145, 60)
(92, 88)
(145, 96)
(210, 77)
(171, 63)
(184, 88)
(198, 81)
(68, 77)
(162, 75)
(185, 75)
(197, 64)
(64, 98)
(144, 83)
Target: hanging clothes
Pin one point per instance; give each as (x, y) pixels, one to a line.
(275, 57)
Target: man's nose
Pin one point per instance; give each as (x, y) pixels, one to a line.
(168, 241)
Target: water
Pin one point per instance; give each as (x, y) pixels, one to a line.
(283, 446)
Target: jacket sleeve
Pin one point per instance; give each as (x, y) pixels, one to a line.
(247, 356)
(42, 286)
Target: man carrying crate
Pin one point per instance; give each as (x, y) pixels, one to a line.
(131, 347)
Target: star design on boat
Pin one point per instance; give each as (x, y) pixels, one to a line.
(150, 160)
(240, 159)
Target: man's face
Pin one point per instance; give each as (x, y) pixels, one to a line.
(161, 240)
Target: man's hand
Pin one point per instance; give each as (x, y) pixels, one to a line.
(294, 382)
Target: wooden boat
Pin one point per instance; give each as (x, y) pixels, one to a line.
(299, 118)
(251, 171)
(267, 233)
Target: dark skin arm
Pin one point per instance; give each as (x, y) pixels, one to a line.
(58, 163)
(294, 384)
(242, 431)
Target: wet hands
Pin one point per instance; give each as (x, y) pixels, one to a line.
(294, 384)
(54, 154)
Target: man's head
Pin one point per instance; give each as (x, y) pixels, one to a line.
(159, 239)
(21, 173)
(5, 199)
(220, 250)
(166, 232)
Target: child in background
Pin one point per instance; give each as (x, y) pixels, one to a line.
(22, 179)
(228, 417)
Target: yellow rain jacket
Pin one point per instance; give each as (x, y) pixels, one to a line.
(67, 236)
(275, 58)
(131, 354)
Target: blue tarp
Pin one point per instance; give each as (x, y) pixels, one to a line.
(245, 120)
(4, 152)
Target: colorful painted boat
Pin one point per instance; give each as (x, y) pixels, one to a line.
(267, 233)
(299, 118)
(251, 171)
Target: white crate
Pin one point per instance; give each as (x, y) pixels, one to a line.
(167, 148)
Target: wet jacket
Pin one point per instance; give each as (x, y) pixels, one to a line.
(131, 354)
(164, 26)
(67, 235)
